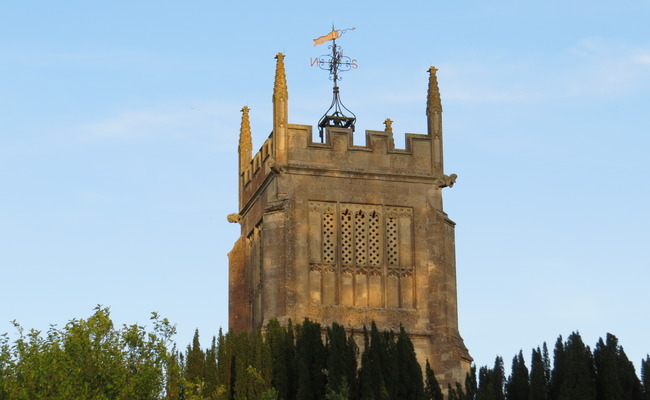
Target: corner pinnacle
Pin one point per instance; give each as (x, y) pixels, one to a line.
(245, 140)
(433, 98)
(280, 86)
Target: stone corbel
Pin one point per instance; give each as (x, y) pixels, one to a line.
(446, 180)
(234, 218)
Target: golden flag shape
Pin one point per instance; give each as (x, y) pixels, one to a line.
(330, 36)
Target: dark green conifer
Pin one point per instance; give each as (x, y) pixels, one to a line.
(310, 361)
(471, 384)
(432, 387)
(518, 385)
(211, 378)
(645, 377)
(410, 385)
(578, 382)
(372, 385)
(559, 369)
(615, 375)
(195, 362)
(538, 381)
(281, 346)
(341, 361)
(485, 385)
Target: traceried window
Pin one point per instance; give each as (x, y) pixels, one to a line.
(361, 255)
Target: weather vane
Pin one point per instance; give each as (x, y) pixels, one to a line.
(335, 63)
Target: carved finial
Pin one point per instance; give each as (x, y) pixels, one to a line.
(389, 125)
(433, 97)
(280, 87)
(245, 140)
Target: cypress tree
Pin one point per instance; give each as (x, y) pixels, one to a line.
(538, 381)
(352, 355)
(432, 387)
(341, 362)
(471, 386)
(645, 377)
(579, 379)
(409, 385)
(211, 378)
(607, 381)
(559, 369)
(615, 374)
(372, 385)
(485, 385)
(499, 378)
(195, 362)
(518, 385)
(310, 361)
(278, 340)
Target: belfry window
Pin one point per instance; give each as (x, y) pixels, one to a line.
(361, 255)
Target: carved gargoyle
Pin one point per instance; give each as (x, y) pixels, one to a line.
(446, 180)
(234, 218)
(276, 166)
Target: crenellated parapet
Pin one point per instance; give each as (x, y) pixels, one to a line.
(378, 155)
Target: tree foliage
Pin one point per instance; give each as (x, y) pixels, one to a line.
(88, 359)
(91, 359)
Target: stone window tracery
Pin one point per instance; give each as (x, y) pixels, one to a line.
(361, 255)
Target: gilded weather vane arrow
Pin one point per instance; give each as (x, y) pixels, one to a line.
(335, 63)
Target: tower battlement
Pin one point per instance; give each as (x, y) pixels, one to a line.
(338, 155)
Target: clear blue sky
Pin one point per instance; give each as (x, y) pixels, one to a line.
(118, 137)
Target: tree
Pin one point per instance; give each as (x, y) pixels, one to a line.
(341, 362)
(578, 382)
(645, 377)
(210, 374)
(409, 385)
(372, 384)
(310, 361)
(615, 375)
(88, 359)
(518, 385)
(471, 385)
(491, 382)
(538, 380)
(431, 387)
(195, 365)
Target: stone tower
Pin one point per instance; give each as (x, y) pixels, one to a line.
(337, 232)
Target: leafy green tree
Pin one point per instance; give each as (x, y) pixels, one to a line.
(518, 384)
(88, 359)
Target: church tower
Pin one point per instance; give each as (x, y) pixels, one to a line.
(336, 232)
